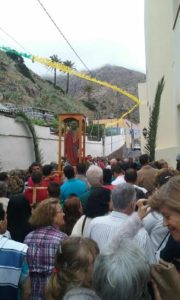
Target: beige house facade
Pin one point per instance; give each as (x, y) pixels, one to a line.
(162, 46)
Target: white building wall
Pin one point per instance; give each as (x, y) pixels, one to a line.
(162, 58)
(113, 143)
(16, 146)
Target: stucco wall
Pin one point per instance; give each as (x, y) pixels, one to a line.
(162, 45)
(16, 147)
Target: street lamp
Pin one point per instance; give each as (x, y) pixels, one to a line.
(145, 132)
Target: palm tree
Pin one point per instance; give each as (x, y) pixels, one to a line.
(21, 116)
(69, 64)
(153, 121)
(54, 58)
(88, 90)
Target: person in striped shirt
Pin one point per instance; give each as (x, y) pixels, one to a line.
(14, 272)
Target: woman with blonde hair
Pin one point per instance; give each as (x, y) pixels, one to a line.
(166, 200)
(72, 276)
(43, 242)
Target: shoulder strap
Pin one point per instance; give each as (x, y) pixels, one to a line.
(83, 224)
(162, 241)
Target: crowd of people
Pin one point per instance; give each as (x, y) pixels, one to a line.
(96, 232)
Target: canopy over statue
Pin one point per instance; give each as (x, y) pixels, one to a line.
(73, 128)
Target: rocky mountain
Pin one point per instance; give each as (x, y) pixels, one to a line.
(103, 101)
(20, 86)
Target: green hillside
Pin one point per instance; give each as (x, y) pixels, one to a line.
(20, 86)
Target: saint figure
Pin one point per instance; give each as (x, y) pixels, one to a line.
(72, 144)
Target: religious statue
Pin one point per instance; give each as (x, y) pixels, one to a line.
(72, 144)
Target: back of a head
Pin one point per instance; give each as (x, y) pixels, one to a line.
(47, 169)
(43, 215)
(2, 212)
(130, 175)
(117, 169)
(113, 162)
(72, 207)
(124, 166)
(74, 259)
(3, 221)
(3, 176)
(163, 176)
(107, 176)
(122, 195)
(121, 273)
(73, 211)
(18, 214)
(98, 203)
(81, 168)
(3, 189)
(54, 166)
(69, 172)
(94, 175)
(178, 166)
(178, 157)
(18, 207)
(36, 177)
(144, 159)
(53, 190)
(161, 163)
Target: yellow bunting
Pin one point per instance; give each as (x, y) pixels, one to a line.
(65, 69)
(122, 117)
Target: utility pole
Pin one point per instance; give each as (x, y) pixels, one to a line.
(111, 136)
(103, 139)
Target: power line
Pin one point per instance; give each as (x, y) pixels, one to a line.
(13, 39)
(63, 36)
(2, 39)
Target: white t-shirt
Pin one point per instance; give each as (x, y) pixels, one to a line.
(119, 180)
(77, 229)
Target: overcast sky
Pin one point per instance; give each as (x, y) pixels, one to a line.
(101, 31)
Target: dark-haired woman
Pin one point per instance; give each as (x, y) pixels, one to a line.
(98, 204)
(18, 214)
(73, 211)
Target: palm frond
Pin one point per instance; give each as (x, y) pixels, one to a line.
(21, 116)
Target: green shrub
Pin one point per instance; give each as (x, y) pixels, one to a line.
(39, 122)
(89, 105)
(95, 130)
(21, 67)
(12, 95)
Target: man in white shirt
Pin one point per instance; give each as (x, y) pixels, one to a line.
(131, 177)
(104, 229)
(118, 175)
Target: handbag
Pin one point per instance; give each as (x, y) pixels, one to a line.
(167, 279)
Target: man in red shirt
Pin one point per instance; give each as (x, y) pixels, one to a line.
(37, 192)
